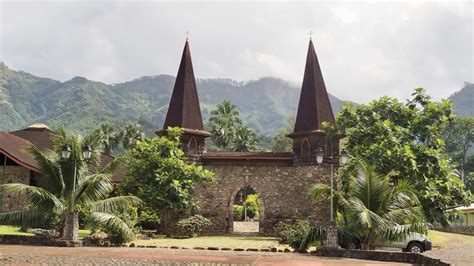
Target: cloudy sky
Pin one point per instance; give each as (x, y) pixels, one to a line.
(366, 49)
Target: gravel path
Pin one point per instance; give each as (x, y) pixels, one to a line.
(34, 255)
(456, 249)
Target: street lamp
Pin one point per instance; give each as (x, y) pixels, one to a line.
(86, 152)
(343, 157)
(66, 152)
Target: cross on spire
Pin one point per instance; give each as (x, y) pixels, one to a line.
(310, 34)
(187, 34)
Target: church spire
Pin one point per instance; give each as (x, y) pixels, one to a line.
(314, 106)
(184, 110)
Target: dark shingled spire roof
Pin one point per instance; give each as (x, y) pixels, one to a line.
(184, 110)
(314, 106)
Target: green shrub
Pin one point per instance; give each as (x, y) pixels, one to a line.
(252, 206)
(191, 226)
(294, 234)
(238, 213)
(148, 219)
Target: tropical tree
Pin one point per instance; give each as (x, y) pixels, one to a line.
(459, 138)
(108, 137)
(67, 186)
(223, 123)
(244, 140)
(167, 180)
(281, 143)
(372, 208)
(405, 139)
(130, 134)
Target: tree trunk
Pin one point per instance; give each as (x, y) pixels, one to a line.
(71, 226)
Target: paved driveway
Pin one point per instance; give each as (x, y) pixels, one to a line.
(31, 255)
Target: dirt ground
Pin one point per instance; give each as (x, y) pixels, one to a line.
(453, 248)
(34, 255)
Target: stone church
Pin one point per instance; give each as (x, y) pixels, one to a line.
(281, 180)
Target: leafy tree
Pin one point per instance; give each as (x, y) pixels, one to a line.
(130, 134)
(251, 205)
(109, 138)
(223, 123)
(245, 140)
(68, 186)
(281, 143)
(459, 137)
(372, 208)
(405, 139)
(166, 179)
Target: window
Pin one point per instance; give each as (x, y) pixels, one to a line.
(192, 147)
(305, 149)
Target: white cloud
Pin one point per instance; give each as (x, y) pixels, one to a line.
(366, 49)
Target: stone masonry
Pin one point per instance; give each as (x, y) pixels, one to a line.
(283, 193)
(13, 174)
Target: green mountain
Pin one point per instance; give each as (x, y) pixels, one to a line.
(464, 100)
(81, 104)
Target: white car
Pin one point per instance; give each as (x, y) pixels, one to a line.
(414, 243)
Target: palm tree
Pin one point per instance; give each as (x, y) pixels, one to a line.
(373, 208)
(244, 140)
(130, 134)
(223, 123)
(66, 186)
(109, 139)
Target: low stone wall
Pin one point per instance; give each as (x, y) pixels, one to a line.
(465, 230)
(37, 241)
(403, 257)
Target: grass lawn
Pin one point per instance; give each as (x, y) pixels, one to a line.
(441, 238)
(228, 241)
(12, 230)
(15, 230)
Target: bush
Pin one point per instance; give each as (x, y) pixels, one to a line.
(238, 213)
(191, 226)
(128, 215)
(148, 220)
(294, 234)
(252, 206)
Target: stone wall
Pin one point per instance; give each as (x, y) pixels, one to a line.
(283, 193)
(378, 255)
(465, 230)
(13, 174)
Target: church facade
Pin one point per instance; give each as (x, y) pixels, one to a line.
(281, 180)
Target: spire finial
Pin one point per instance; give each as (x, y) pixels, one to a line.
(187, 34)
(310, 35)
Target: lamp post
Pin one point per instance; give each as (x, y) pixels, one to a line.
(71, 218)
(343, 157)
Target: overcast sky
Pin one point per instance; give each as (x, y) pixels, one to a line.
(366, 49)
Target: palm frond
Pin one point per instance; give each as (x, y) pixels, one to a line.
(113, 223)
(35, 195)
(20, 218)
(116, 204)
(318, 190)
(93, 188)
(51, 176)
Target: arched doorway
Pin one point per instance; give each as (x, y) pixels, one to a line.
(246, 211)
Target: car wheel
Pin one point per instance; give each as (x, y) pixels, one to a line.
(415, 247)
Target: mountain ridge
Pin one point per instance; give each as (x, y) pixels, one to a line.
(79, 103)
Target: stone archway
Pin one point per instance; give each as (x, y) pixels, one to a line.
(230, 209)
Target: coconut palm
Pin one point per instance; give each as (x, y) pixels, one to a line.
(223, 123)
(66, 186)
(130, 134)
(373, 208)
(244, 140)
(109, 139)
